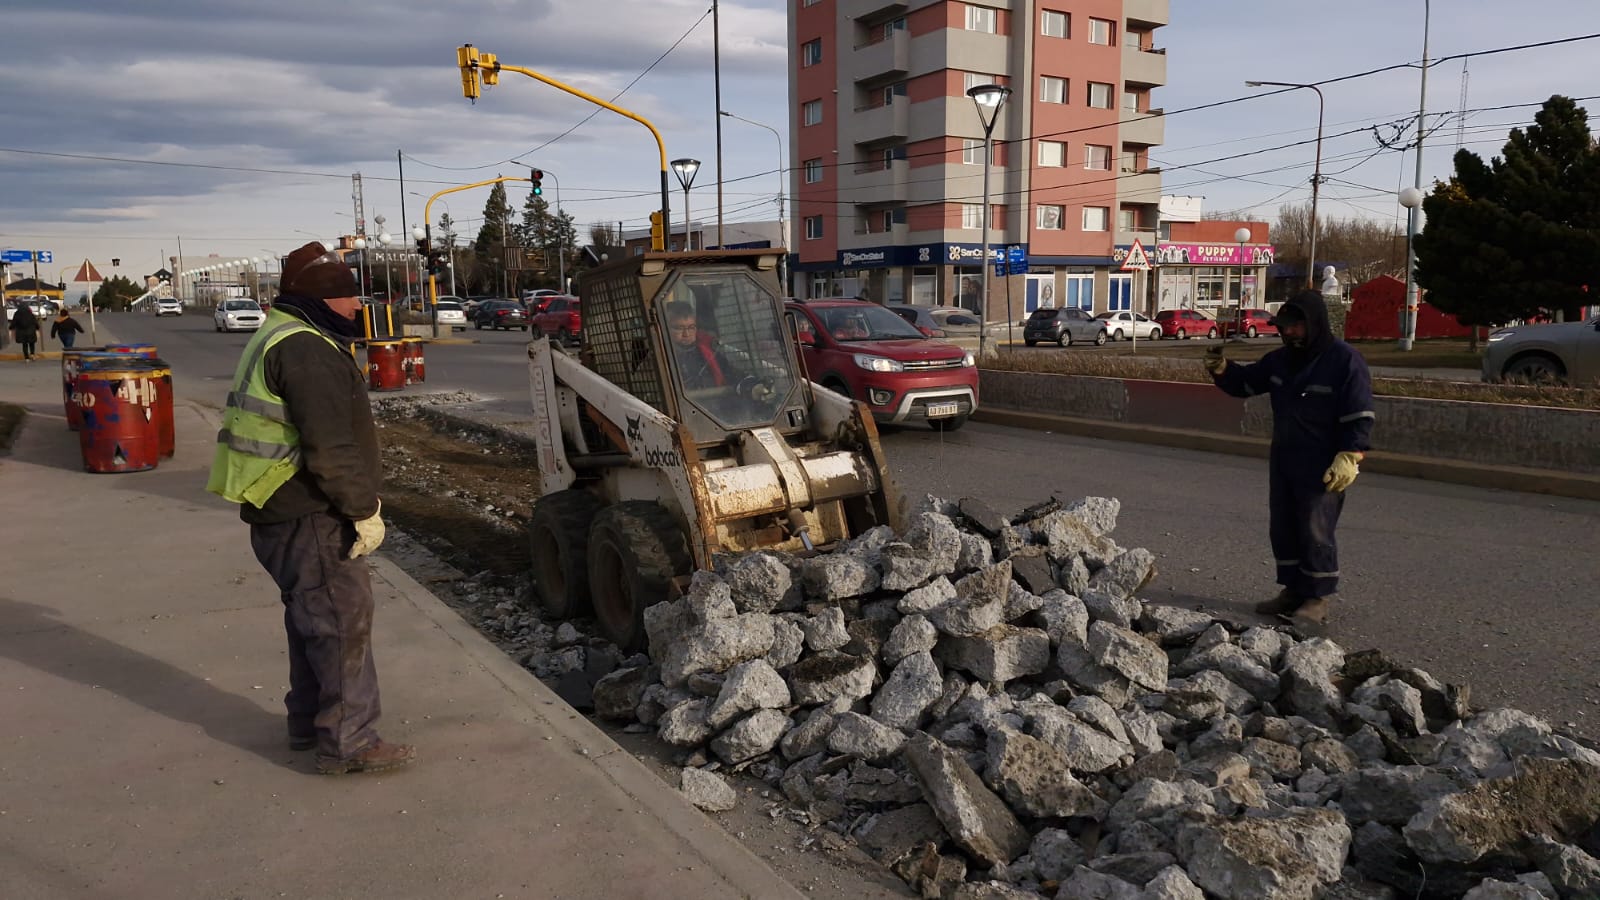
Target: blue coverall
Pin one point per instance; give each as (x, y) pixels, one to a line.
(1321, 406)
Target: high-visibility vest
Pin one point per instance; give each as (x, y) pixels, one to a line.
(258, 449)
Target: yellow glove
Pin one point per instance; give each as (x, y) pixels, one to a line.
(369, 533)
(1214, 361)
(1343, 472)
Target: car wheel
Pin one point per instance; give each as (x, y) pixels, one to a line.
(837, 386)
(1100, 339)
(953, 423)
(1252, 332)
(1155, 335)
(564, 337)
(524, 328)
(1212, 334)
(1065, 340)
(478, 325)
(1030, 342)
(636, 549)
(1117, 336)
(1535, 368)
(1182, 335)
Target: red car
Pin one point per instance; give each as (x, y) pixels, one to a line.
(1253, 322)
(560, 319)
(1184, 323)
(864, 351)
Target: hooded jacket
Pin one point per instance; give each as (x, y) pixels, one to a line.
(1321, 393)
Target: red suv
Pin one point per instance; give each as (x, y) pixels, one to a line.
(1252, 322)
(864, 351)
(560, 320)
(1183, 323)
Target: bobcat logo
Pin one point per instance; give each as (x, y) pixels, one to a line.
(633, 427)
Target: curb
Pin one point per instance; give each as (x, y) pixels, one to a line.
(1509, 478)
(17, 357)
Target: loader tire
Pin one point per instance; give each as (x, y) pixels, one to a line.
(558, 541)
(636, 548)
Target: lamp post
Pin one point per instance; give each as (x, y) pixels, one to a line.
(988, 98)
(1316, 172)
(1411, 199)
(383, 243)
(360, 244)
(783, 185)
(1240, 237)
(425, 234)
(685, 169)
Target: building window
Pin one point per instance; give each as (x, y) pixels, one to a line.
(971, 151)
(813, 227)
(1096, 218)
(893, 25)
(980, 18)
(890, 154)
(1100, 95)
(1102, 31)
(1047, 218)
(811, 52)
(812, 112)
(1130, 161)
(1055, 24)
(1127, 219)
(1130, 101)
(1052, 154)
(1096, 157)
(898, 89)
(813, 171)
(812, 2)
(1052, 89)
(972, 216)
(970, 80)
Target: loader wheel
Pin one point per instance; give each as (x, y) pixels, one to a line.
(636, 548)
(558, 538)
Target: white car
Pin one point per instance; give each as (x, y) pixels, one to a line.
(238, 315)
(169, 306)
(452, 314)
(1123, 326)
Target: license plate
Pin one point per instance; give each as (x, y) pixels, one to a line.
(940, 410)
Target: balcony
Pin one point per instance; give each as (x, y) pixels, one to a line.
(869, 9)
(876, 185)
(1144, 66)
(1152, 13)
(877, 123)
(1139, 187)
(884, 59)
(1147, 130)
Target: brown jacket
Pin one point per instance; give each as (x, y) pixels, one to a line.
(326, 397)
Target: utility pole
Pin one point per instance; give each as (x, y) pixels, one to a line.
(1408, 327)
(400, 159)
(716, 77)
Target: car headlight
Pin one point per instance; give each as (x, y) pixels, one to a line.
(969, 361)
(878, 363)
(1497, 336)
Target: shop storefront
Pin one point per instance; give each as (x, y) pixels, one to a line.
(1209, 277)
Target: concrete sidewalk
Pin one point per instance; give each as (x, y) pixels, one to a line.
(142, 668)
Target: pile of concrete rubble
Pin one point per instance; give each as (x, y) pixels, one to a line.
(985, 706)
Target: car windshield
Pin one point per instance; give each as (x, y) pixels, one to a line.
(867, 322)
(234, 305)
(1106, 316)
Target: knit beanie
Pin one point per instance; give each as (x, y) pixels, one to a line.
(312, 271)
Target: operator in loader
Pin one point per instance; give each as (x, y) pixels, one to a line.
(701, 363)
(1322, 422)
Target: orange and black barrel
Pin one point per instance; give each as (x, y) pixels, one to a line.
(119, 432)
(416, 368)
(145, 351)
(386, 364)
(72, 362)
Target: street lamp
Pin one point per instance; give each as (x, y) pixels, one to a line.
(783, 185)
(685, 169)
(384, 240)
(1240, 236)
(360, 245)
(1316, 172)
(1411, 199)
(988, 98)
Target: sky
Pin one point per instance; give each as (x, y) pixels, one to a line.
(269, 107)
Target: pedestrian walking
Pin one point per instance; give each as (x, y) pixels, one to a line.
(299, 452)
(25, 330)
(66, 329)
(1322, 423)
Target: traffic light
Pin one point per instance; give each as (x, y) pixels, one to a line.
(537, 177)
(657, 234)
(467, 59)
(437, 261)
(423, 247)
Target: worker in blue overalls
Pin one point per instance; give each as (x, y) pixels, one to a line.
(1321, 428)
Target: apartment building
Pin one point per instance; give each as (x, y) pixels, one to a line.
(888, 148)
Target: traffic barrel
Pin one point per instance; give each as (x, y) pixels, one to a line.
(145, 351)
(416, 367)
(386, 364)
(119, 432)
(72, 361)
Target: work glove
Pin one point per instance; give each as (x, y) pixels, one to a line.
(1214, 361)
(1343, 472)
(369, 533)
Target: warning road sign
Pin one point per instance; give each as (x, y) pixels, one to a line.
(1138, 260)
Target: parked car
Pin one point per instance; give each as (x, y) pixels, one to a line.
(238, 315)
(1561, 352)
(1122, 326)
(862, 350)
(540, 292)
(939, 321)
(450, 313)
(170, 306)
(560, 319)
(1066, 326)
(539, 304)
(1249, 322)
(1185, 323)
(501, 315)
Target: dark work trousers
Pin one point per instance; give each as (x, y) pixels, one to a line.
(327, 612)
(1304, 516)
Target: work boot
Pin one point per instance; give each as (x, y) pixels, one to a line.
(302, 741)
(1282, 605)
(1314, 612)
(379, 756)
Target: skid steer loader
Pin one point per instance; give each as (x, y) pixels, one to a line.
(685, 428)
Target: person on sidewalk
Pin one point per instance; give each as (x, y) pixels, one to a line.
(1321, 427)
(25, 330)
(66, 329)
(299, 452)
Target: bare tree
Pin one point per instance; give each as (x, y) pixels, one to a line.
(604, 236)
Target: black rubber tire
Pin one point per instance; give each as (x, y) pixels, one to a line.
(563, 337)
(1155, 334)
(1065, 340)
(478, 325)
(838, 387)
(1182, 335)
(1030, 342)
(1212, 334)
(1100, 339)
(636, 548)
(558, 542)
(953, 423)
(1535, 368)
(1252, 332)
(524, 328)
(1117, 336)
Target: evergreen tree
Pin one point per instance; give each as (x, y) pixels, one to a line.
(489, 248)
(551, 232)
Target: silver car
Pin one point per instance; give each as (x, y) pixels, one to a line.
(949, 321)
(451, 313)
(1562, 352)
(1065, 326)
(1124, 326)
(238, 315)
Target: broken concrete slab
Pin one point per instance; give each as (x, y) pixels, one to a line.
(1035, 778)
(1290, 855)
(913, 687)
(1556, 798)
(1001, 654)
(975, 818)
(707, 790)
(751, 736)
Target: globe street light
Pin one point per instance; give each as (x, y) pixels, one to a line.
(988, 98)
(384, 240)
(1316, 171)
(685, 169)
(1411, 199)
(1240, 236)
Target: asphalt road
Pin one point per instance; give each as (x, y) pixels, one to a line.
(1489, 588)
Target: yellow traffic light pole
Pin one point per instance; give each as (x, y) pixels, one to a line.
(479, 68)
(427, 226)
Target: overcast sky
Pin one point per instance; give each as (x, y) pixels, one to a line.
(317, 90)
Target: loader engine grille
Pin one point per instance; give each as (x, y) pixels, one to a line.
(617, 338)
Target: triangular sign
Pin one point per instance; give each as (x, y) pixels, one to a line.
(87, 272)
(1137, 260)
